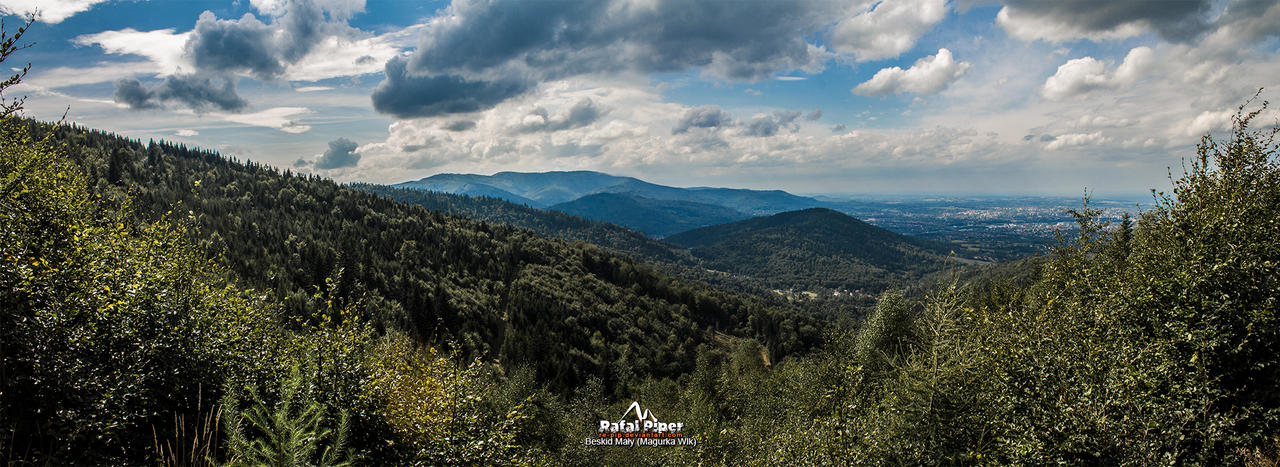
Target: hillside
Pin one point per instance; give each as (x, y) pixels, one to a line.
(815, 248)
(547, 223)
(652, 216)
(573, 311)
(543, 189)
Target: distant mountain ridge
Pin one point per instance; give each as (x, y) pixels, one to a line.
(653, 216)
(546, 189)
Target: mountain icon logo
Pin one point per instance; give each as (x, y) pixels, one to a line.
(644, 424)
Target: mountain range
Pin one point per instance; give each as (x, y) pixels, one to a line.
(547, 189)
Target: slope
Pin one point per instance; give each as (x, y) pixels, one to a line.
(572, 311)
(815, 248)
(651, 216)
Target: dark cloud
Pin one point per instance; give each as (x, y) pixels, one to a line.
(583, 113)
(341, 153)
(130, 91)
(261, 49)
(839, 128)
(769, 125)
(220, 49)
(303, 23)
(460, 125)
(1177, 20)
(708, 116)
(230, 46)
(1252, 20)
(198, 93)
(408, 95)
(814, 115)
(509, 41)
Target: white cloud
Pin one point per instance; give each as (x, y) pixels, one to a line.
(928, 75)
(280, 118)
(1082, 75)
(1208, 121)
(336, 57)
(332, 57)
(1031, 27)
(1076, 139)
(54, 78)
(186, 132)
(340, 9)
(162, 47)
(635, 137)
(47, 11)
(888, 29)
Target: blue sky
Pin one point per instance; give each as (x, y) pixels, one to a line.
(810, 96)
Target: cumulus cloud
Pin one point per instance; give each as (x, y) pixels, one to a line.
(1083, 75)
(196, 92)
(201, 92)
(130, 92)
(708, 116)
(814, 115)
(459, 125)
(222, 49)
(1176, 20)
(229, 46)
(769, 125)
(1209, 121)
(503, 48)
(928, 75)
(341, 153)
(266, 50)
(888, 29)
(406, 94)
(1073, 139)
(47, 11)
(583, 113)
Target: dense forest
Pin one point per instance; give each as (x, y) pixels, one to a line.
(817, 248)
(547, 223)
(572, 310)
(652, 216)
(167, 305)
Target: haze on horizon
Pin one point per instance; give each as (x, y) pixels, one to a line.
(808, 96)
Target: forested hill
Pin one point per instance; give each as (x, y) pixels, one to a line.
(651, 216)
(667, 258)
(815, 248)
(546, 223)
(574, 311)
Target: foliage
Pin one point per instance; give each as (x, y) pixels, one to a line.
(104, 318)
(289, 433)
(494, 292)
(1150, 342)
(9, 44)
(815, 248)
(434, 405)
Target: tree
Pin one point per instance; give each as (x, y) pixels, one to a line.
(8, 46)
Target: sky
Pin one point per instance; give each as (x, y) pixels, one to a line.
(808, 96)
